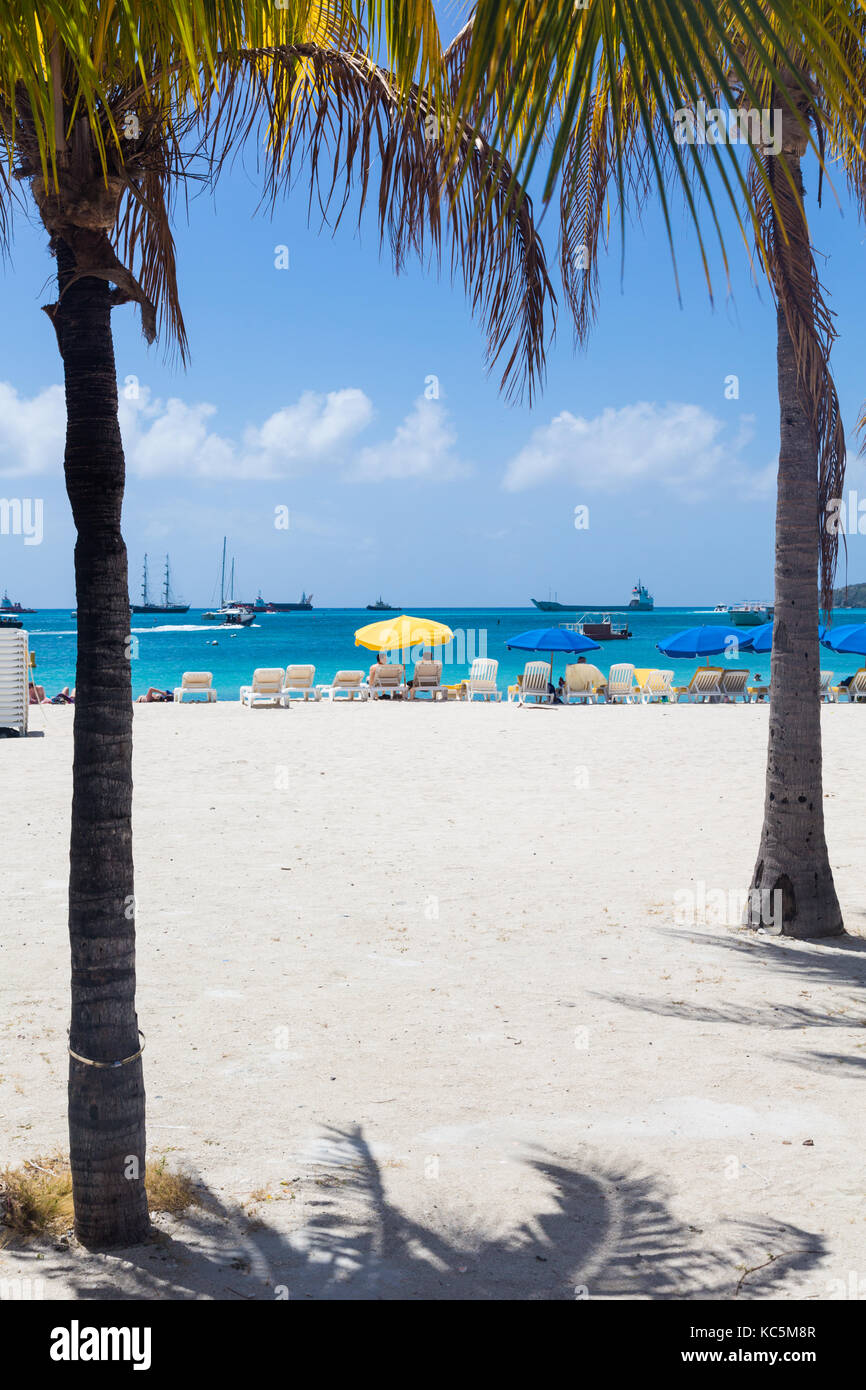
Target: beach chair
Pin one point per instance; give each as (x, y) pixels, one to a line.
(734, 683)
(620, 684)
(704, 685)
(300, 681)
(348, 685)
(827, 690)
(482, 679)
(427, 680)
(195, 683)
(266, 688)
(14, 679)
(535, 684)
(582, 684)
(656, 686)
(390, 679)
(857, 686)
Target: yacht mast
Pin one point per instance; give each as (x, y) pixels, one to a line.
(144, 597)
(223, 577)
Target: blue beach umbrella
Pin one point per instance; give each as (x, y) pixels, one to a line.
(761, 638)
(707, 640)
(851, 638)
(552, 639)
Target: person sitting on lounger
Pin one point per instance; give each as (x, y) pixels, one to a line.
(373, 673)
(155, 696)
(37, 694)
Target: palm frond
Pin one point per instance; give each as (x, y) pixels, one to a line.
(341, 118)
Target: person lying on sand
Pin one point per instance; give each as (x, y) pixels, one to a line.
(66, 697)
(155, 696)
(37, 694)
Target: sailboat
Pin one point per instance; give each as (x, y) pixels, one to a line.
(166, 606)
(229, 613)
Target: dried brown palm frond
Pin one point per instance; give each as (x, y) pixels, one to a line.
(340, 117)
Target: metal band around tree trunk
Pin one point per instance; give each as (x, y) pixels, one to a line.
(88, 1061)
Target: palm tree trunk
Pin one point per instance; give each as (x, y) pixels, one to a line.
(106, 1104)
(793, 870)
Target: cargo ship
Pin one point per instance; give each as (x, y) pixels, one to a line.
(305, 604)
(641, 601)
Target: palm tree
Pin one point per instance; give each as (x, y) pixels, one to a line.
(104, 110)
(609, 85)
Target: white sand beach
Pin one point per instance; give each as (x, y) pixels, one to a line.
(423, 1018)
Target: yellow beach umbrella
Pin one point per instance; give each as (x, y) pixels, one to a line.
(399, 634)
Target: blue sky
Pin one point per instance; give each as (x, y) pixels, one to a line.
(306, 390)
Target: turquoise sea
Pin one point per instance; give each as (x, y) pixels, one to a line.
(325, 637)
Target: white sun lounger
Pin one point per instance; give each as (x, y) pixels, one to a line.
(427, 680)
(657, 686)
(266, 688)
(387, 678)
(300, 681)
(195, 683)
(535, 684)
(621, 684)
(734, 683)
(482, 679)
(704, 685)
(14, 679)
(582, 683)
(827, 690)
(347, 684)
(857, 686)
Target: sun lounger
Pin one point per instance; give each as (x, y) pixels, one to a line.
(195, 683)
(620, 684)
(827, 690)
(482, 679)
(704, 685)
(535, 684)
(734, 683)
(348, 684)
(857, 686)
(583, 683)
(300, 681)
(14, 679)
(387, 678)
(427, 680)
(656, 686)
(266, 688)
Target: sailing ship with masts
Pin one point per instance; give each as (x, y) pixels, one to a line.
(168, 604)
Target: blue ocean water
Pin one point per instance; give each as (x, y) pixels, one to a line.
(325, 637)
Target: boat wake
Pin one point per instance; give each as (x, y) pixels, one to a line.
(191, 627)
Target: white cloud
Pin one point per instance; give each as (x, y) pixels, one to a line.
(176, 438)
(172, 438)
(32, 432)
(422, 447)
(677, 445)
